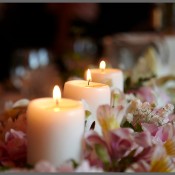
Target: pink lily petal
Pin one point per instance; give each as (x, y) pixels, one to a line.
(152, 128)
(141, 166)
(143, 139)
(14, 134)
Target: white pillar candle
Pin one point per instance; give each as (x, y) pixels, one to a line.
(112, 77)
(95, 94)
(55, 130)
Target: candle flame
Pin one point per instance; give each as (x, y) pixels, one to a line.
(102, 65)
(56, 93)
(89, 78)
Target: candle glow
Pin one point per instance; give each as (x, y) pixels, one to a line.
(56, 93)
(95, 95)
(102, 65)
(110, 76)
(50, 126)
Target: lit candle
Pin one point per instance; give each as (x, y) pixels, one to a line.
(55, 129)
(95, 94)
(112, 77)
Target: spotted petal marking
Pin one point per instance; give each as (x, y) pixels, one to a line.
(161, 162)
(165, 164)
(170, 147)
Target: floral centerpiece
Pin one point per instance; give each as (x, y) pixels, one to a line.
(137, 136)
(138, 132)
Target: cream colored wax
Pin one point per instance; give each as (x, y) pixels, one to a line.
(95, 94)
(55, 131)
(112, 77)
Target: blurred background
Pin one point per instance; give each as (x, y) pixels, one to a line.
(43, 44)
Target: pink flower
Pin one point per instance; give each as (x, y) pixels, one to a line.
(92, 140)
(152, 128)
(108, 118)
(146, 94)
(67, 167)
(44, 166)
(18, 124)
(143, 139)
(159, 162)
(141, 166)
(152, 95)
(15, 149)
(160, 134)
(123, 143)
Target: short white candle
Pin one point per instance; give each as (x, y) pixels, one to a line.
(55, 130)
(95, 94)
(113, 77)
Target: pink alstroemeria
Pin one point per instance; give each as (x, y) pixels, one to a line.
(160, 162)
(141, 166)
(107, 117)
(15, 149)
(92, 142)
(18, 124)
(108, 152)
(145, 94)
(160, 134)
(163, 135)
(152, 95)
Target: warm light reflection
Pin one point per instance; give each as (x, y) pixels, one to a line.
(56, 93)
(102, 65)
(89, 78)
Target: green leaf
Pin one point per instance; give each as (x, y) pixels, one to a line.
(127, 84)
(115, 97)
(126, 161)
(75, 164)
(29, 166)
(87, 114)
(126, 124)
(102, 153)
(138, 128)
(4, 168)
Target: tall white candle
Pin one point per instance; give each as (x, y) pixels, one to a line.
(113, 77)
(95, 94)
(55, 130)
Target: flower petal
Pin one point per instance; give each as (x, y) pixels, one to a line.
(161, 162)
(170, 147)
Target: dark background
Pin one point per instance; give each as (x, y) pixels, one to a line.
(36, 25)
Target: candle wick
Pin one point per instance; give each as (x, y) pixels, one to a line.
(88, 82)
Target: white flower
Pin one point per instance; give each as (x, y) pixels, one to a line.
(85, 167)
(44, 166)
(129, 117)
(21, 103)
